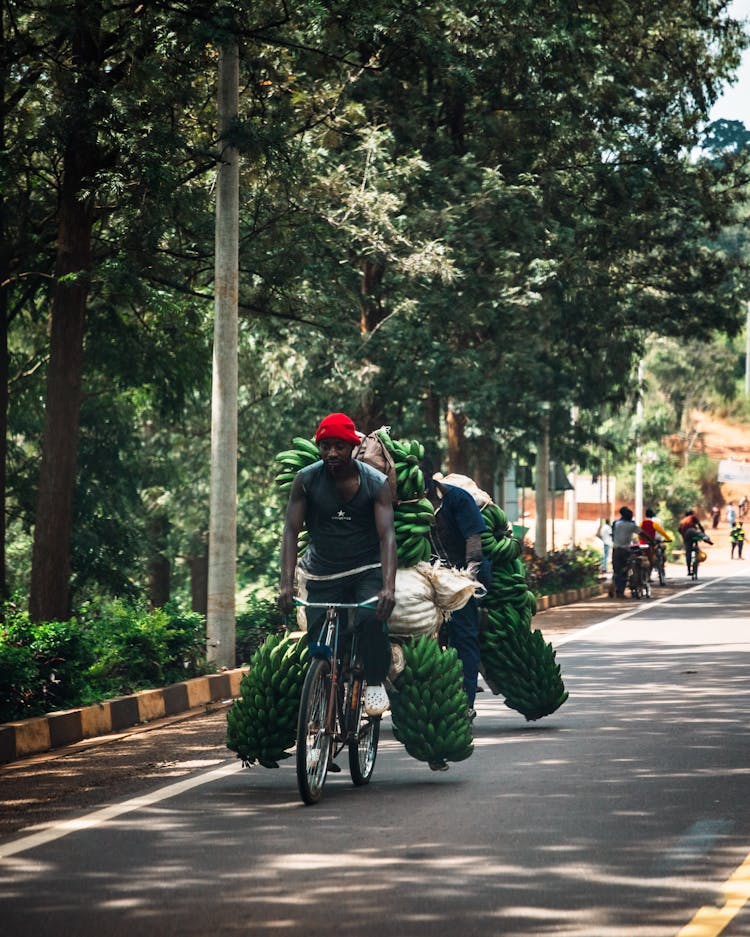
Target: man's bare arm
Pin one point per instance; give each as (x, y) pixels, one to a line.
(295, 519)
(388, 560)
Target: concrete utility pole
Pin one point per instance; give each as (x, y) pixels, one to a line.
(541, 483)
(639, 449)
(222, 540)
(573, 494)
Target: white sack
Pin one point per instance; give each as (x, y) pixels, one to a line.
(468, 484)
(416, 611)
(452, 587)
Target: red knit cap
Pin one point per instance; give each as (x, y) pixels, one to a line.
(337, 426)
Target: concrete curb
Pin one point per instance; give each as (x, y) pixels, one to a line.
(43, 733)
(568, 597)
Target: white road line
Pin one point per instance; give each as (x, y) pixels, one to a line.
(102, 816)
(641, 607)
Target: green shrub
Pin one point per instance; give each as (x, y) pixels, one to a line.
(562, 569)
(109, 650)
(42, 666)
(260, 618)
(19, 679)
(63, 653)
(138, 648)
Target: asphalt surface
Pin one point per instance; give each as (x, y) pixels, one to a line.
(621, 815)
(46, 787)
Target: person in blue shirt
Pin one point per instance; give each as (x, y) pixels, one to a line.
(456, 541)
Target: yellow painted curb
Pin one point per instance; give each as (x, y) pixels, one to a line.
(43, 733)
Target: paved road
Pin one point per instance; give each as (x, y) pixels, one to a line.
(621, 815)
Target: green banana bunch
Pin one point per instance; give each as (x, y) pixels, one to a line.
(413, 514)
(517, 663)
(305, 452)
(262, 722)
(406, 457)
(429, 711)
(412, 521)
(498, 543)
(508, 587)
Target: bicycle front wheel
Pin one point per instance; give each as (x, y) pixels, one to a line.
(314, 738)
(661, 571)
(363, 744)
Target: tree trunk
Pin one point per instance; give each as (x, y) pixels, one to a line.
(4, 377)
(370, 414)
(4, 364)
(456, 460)
(159, 568)
(50, 564)
(159, 580)
(198, 583)
(50, 570)
(484, 464)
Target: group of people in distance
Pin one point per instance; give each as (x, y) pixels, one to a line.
(618, 538)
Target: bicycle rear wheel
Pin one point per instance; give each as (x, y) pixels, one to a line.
(313, 741)
(363, 741)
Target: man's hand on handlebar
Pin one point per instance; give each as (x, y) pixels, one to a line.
(386, 604)
(286, 600)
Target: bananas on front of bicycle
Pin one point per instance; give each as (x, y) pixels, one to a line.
(430, 709)
(262, 722)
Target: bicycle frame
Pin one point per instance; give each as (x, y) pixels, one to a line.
(338, 706)
(330, 714)
(637, 577)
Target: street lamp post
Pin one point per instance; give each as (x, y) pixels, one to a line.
(542, 482)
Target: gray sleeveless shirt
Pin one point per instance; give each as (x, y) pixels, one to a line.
(343, 535)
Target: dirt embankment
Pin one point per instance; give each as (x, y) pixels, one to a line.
(723, 440)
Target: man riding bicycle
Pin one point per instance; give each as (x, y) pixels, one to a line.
(692, 533)
(347, 508)
(653, 535)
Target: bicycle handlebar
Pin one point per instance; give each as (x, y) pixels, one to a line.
(368, 603)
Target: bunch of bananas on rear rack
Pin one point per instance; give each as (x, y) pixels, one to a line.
(413, 514)
(516, 662)
(304, 453)
(429, 710)
(262, 723)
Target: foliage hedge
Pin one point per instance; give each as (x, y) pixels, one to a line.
(573, 568)
(106, 651)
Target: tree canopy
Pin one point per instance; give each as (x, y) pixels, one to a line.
(450, 212)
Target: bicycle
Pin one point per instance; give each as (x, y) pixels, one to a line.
(331, 711)
(638, 573)
(660, 560)
(698, 556)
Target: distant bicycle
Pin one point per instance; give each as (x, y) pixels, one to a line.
(696, 559)
(660, 562)
(331, 710)
(638, 570)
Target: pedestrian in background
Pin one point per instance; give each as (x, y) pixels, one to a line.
(737, 538)
(731, 514)
(605, 535)
(715, 515)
